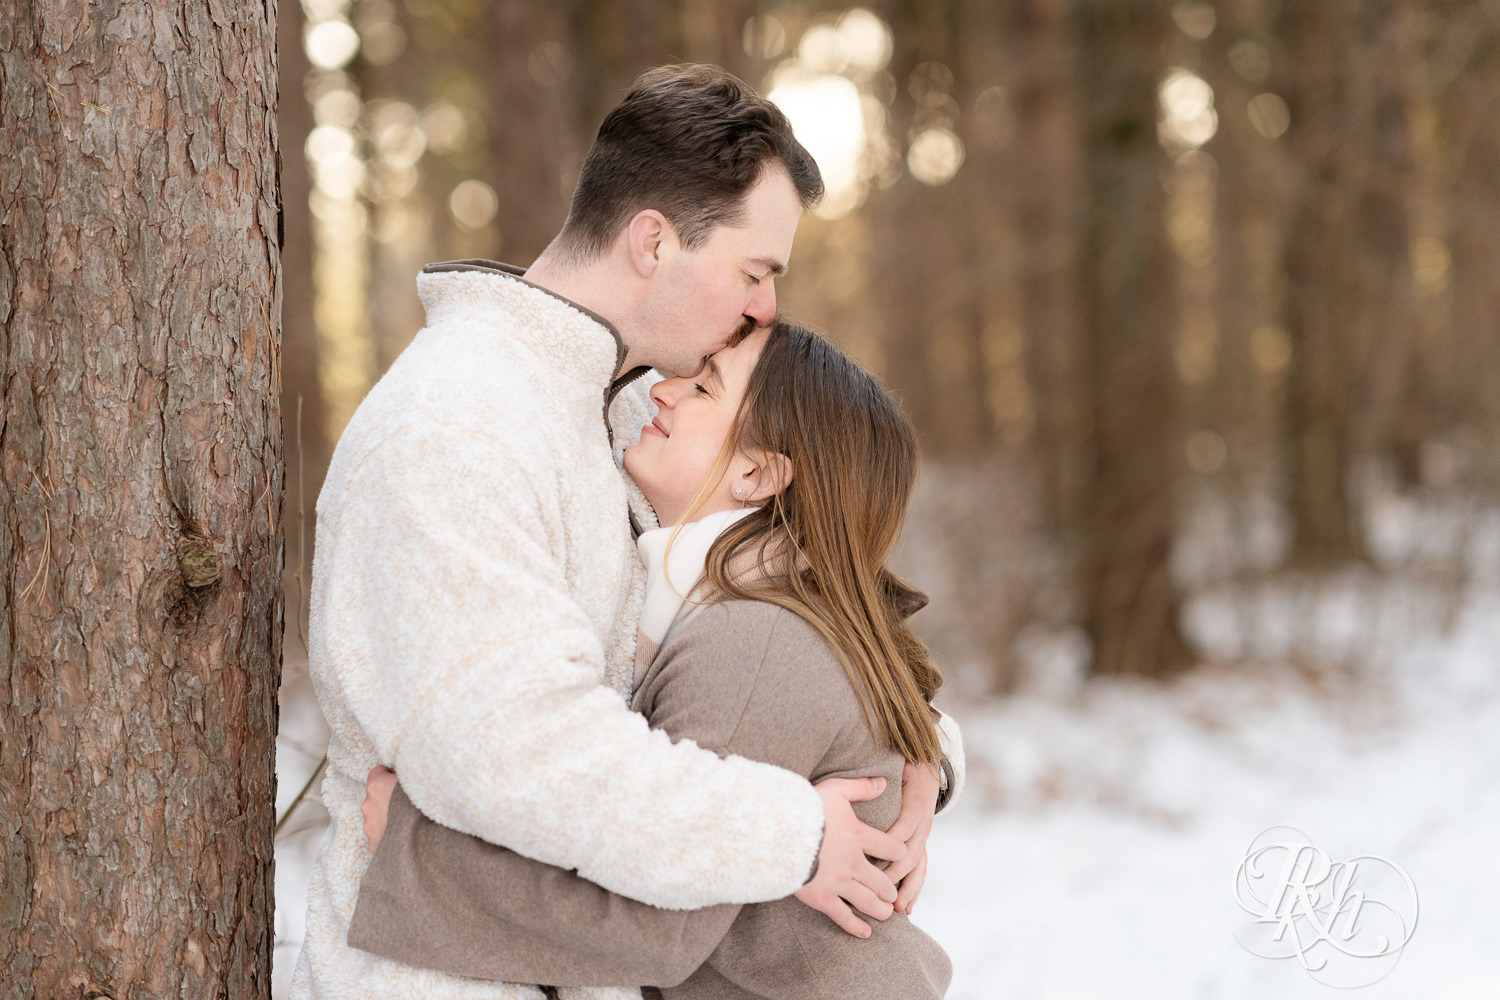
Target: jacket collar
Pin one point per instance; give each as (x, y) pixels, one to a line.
(513, 272)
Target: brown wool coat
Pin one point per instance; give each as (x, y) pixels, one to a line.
(739, 678)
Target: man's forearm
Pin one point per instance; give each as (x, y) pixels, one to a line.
(443, 900)
(472, 714)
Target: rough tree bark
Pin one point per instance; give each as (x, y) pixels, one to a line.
(140, 609)
(1128, 319)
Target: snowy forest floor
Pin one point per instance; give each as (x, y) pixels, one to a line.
(1094, 855)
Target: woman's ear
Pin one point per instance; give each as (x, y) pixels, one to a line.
(771, 475)
(646, 236)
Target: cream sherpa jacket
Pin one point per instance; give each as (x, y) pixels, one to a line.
(474, 605)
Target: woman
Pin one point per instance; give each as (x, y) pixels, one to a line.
(772, 630)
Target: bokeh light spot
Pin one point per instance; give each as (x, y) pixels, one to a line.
(328, 141)
(473, 204)
(339, 107)
(866, 39)
(1195, 18)
(1270, 348)
(822, 50)
(445, 127)
(1187, 105)
(1268, 115)
(935, 156)
(1250, 60)
(828, 118)
(765, 37)
(331, 44)
(383, 42)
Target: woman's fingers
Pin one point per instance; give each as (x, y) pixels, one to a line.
(919, 791)
(836, 909)
(379, 786)
(911, 887)
(916, 851)
(844, 871)
(865, 901)
(879, 844)
(851, 789)
(869, 879)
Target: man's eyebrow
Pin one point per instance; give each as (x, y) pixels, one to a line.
(772, 266)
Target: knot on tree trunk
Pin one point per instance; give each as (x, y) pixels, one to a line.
(199, 565)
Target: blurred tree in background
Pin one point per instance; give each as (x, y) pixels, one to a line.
(1127, 261)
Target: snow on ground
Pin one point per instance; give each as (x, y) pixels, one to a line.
(1094, 855)
(299, 750)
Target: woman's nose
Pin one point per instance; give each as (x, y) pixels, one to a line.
(665, 393)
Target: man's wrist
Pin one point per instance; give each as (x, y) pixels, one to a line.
(814, 873)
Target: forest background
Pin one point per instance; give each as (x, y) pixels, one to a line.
(1130, 265)
(1194, 305)
(1197, 309)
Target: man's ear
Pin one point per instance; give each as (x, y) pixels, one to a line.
(772, 474)
(647, 235)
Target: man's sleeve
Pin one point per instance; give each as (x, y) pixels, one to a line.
(439, 899)
(475, 672)
(952, 742)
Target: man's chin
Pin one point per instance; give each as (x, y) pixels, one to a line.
(685, 371)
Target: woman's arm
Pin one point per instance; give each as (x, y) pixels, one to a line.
(440, 899)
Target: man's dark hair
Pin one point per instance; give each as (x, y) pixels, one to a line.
(688, 141)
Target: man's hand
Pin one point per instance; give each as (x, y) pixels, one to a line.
(845, 876)
(919, 791)
(379, 787)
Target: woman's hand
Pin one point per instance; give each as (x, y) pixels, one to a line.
(919, 792)
(379, 787)
(845, 876)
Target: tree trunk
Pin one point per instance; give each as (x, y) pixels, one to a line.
(1243, 399)
(1043, 182)
(139, 296)
(1128, 320)
(1329, 144)
(1469, 80)
(932, 277)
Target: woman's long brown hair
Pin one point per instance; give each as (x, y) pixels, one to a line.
(820, 545)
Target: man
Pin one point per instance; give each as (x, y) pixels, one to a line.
(476, 586)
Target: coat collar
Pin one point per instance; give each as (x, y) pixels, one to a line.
(518, 274)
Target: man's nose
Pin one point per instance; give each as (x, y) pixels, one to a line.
(762, 307)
